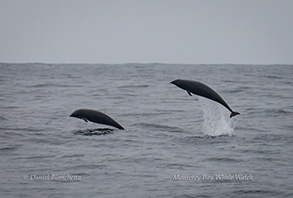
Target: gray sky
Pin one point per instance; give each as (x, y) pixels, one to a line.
(147, 31)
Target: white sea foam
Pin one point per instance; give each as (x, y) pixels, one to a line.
(216, 119)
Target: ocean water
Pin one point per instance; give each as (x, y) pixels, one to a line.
(174, 145)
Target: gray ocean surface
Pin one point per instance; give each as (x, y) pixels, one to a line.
(174, 145)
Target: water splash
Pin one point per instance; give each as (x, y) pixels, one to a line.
(216, 119)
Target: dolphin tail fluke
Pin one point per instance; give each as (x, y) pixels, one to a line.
(121, 127)
(234, 113)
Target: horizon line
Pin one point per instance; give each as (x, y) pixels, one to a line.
(144, 63)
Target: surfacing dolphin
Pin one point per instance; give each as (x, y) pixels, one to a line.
(203, 90)
(95, 116)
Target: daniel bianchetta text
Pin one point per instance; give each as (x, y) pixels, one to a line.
(216, 177)
(51, 177)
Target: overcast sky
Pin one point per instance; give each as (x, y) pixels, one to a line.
(147, 31)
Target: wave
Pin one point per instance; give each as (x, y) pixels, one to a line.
(42, 85)
(224, 159)
(270, 112)
(272, 76)
(276, 111)
(162, 127)
(205, 139)
(133, 86)
(6, 149)
(90, 132)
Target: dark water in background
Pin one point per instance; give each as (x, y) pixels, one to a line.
(174, 145)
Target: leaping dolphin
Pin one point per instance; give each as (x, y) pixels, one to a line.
(203, 90)
(95, 116)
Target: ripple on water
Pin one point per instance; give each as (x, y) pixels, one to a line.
(90, 132)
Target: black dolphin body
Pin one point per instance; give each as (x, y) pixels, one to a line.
(203, 90)
(95, 116)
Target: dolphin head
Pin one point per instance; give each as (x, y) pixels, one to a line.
(75, 114)
(176, 82)
(179, 83)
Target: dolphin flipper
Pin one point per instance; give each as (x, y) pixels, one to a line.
(84, 119)
(189, 93)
